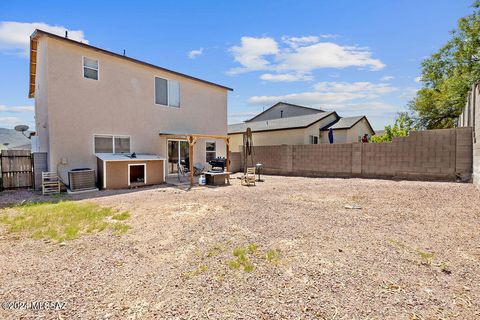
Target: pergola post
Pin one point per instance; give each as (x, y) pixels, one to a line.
(191, 142)
(227, 144)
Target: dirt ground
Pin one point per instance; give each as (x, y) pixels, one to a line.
(411, 252)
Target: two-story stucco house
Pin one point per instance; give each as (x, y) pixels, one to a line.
(94, 108)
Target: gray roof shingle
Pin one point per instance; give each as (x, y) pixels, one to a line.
(344, 123)
(279, 124)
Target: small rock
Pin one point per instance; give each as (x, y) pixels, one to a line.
(62, 244)
(352, 206)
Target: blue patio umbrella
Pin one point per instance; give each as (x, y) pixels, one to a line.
(330, 135)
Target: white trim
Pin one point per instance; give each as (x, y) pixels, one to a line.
(168, 93)
(168, 160)
(164, 173)
(144, 171)
(113, 136)
(104, 174)
(83, 67)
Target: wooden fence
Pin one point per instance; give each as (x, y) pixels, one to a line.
(16, 169)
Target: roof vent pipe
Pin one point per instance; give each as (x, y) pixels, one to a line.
(66, 34)
(281, 113)
(123, 52)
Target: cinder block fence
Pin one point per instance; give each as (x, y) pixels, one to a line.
(470, 117)
(428, 155)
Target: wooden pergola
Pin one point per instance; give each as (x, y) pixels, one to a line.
(192, 139)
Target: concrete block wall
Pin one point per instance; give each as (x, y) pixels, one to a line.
(424, 155)
(322, 160)
(427, 155)
(470, 118)
(235, 161)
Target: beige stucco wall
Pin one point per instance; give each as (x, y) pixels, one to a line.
(121, 102)
(41, 99)
(358, 130)
(339, 136)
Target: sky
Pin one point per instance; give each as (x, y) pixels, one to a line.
(354, 57)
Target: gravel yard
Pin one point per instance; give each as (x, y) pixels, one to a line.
(284, 249)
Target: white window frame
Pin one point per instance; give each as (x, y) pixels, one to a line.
(144, 171)
(206, 152)
(113, 136)
(168, 93)
(83, 68)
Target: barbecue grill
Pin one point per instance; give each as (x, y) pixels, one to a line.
(220, 163)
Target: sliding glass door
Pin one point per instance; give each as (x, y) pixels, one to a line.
(177, 150)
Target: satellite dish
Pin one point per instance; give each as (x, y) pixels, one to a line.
(21, 127)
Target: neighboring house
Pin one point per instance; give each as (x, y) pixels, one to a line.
(285, 123)
(12, 139)
(94, 107)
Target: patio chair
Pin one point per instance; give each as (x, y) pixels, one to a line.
(249, 177)
(198, 168)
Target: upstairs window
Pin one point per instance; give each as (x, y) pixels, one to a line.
(90, 68)
(111, 144)
(210, 151)
(167, 92)
(313, 140)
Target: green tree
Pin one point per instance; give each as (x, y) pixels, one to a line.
(401, 128)
(448, 74)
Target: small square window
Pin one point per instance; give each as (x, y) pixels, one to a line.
(167, 92)
(103, 144)
(122, 145)
(90, 68)
(210, 151)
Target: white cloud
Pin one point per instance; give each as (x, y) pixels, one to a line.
(297, 41)
(299, 55)
(17, 109)
(408, 93)
(251, 54)
(364, 106)
(387, 78)
(285, 77)
(9, 121)
(237, 117)
(195, 53)
(328, 93)
(362, 87)
(327, 55)
(15, 36)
